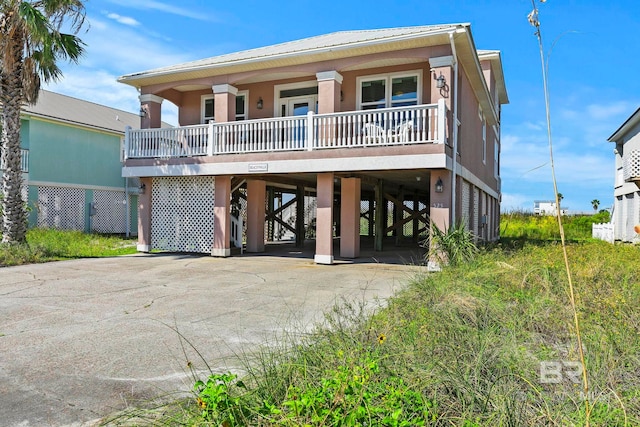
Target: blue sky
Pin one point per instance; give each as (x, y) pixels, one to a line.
(593, 68)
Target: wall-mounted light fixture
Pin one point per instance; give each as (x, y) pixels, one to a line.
(142, 188)
(260, 104)
(341, 96)
(143, 111)
(440, 81)
(439, 185)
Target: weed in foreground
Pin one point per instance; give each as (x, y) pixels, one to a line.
(452, 247)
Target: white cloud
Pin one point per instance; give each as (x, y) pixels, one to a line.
(608, 111)
(516, 202)
(123, 50)
(163, 7)
(125, 20)
(111, 51)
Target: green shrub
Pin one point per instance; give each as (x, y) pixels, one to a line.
(454, 246)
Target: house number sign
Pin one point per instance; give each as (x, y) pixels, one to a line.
(258, 167)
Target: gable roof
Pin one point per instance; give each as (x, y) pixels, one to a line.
(304, 50)
(58, 107)
(297, 47)
(633, 120)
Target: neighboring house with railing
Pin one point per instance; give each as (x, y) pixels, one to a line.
(72, 164)
(626, 209)
(386, 129)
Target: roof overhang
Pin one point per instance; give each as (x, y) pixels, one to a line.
(202, 69)
(632, 121)
(495, 58)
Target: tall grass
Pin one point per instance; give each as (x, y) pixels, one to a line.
(47, 244)
(526, 226)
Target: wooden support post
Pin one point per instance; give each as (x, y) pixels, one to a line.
(398, 216)
(380, 217)
(300, 230)
(416, 223)
(371, 209)
(271, 208)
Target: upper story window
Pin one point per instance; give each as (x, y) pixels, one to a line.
(241, 105)
(496, 158)
(484, 135)
(389, 90)
(208, 107)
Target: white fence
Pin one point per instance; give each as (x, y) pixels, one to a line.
(603, 232)
(380, 127)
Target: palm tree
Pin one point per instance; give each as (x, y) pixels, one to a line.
(595, 203)
(31, 44)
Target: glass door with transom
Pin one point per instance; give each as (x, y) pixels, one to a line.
(297, 106)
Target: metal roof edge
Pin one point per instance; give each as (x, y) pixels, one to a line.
(46, 117)
(633, 120)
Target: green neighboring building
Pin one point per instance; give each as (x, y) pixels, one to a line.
(72, 154)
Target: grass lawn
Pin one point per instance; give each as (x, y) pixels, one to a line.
(46, 244)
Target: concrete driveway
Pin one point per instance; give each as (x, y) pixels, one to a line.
(82, 339)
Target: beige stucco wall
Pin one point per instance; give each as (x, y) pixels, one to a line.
(470, 136)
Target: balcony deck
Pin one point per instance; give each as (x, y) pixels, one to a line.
(422, 124)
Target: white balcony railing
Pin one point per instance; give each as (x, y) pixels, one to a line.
(24, 161)
(391, 126)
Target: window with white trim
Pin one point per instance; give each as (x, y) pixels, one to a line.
(208, 107)
(241, 105)
(484, 135)
(389, 90)
(496, 158)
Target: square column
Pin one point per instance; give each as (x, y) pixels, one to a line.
(350, 217)
(150, 111)
(222, 217)
(440, 210)
(144, 215)
(324, 219)
(224, 98)
(329, 86)
(256, 199)
(442, 66)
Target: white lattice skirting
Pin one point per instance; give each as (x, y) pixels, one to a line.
(182, 215)
(61, 207)
(110, 212)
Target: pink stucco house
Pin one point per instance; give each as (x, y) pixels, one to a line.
(345, 137)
